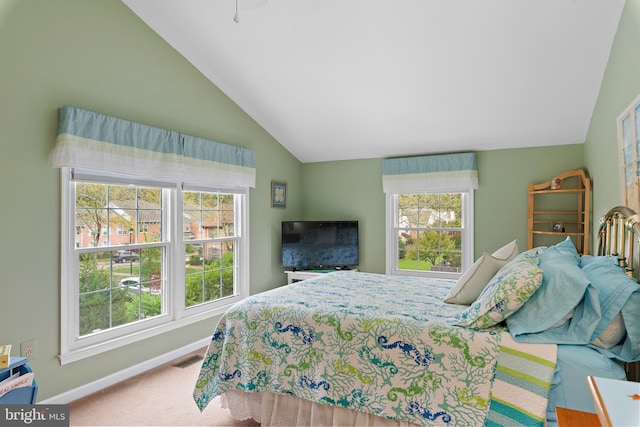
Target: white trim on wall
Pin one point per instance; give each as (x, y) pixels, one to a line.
(102, 383)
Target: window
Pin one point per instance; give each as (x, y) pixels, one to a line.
(429, 234)
(628, 124)
(211, 254)
(131, 268)
(145, 278)
(429, 211)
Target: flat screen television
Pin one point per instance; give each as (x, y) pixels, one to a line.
(308, 245)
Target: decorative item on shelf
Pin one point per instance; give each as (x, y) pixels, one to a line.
(556, 183)
(5, 355)
(557, 226)
(278, 194)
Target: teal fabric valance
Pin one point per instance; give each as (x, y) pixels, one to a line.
(437, 173)
(94, 141)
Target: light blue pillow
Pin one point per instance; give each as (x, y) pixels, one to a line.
(568, 248)
(563, 287)
(506, 292)
(588, 259)
(611, 288)
(617, 293)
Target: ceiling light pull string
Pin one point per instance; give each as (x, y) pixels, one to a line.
(236, 18)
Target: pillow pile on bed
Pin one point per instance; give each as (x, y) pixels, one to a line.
(602, 305)
(554, 295)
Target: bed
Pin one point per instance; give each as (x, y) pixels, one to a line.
(505, 344)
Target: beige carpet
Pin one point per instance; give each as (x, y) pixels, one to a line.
(159, 397)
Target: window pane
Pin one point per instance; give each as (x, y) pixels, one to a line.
(210, 269)
(430, 210)
(91, 214)
(192, 215)
(429, 232)
(211, 225)
(209, 201)
(117, 215)
(116, 290)
(210, 272)
(208, 215)
(121, 286)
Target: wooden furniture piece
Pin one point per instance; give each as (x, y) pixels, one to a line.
(617, 402)
(572, 418)
(559, 208)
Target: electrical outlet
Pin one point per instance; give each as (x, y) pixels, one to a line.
(28, 348)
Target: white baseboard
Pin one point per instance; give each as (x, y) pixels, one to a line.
(97, 385)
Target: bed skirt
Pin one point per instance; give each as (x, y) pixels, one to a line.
(270, 409)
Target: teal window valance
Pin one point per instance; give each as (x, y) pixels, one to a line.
(94, 141)
(436, 173)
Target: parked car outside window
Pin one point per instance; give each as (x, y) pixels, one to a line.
(125, 256)
(133, 284)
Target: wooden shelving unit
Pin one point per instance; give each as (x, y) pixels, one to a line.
(557, 210)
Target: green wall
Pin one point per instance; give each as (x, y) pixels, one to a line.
(501, 199)
(100, 56)
(353, 190)
(349, 190)
(620, 86)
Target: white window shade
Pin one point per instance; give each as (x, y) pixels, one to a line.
(93, 141)
(430, 174)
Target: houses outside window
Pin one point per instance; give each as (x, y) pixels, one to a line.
(429, 234)
(211, 253)
(145, 278)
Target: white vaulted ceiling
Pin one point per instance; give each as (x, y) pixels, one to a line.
(355, 79)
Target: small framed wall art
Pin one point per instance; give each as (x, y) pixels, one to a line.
(278, 194)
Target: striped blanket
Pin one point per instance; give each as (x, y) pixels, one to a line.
(384, 345)
(522, 383)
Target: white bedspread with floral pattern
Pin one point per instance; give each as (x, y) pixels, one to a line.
(374, 343)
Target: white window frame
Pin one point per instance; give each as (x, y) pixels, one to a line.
(176, 315)
(391, 239)
(628, 148)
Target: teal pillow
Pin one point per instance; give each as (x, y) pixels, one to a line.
(617, 294)
(563, 287)
(585, 260)
(568, 248)
(506, 292)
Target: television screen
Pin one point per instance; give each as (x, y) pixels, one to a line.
(310, 245)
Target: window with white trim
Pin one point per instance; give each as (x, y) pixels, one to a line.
(120, 288)
(429, 234)
(211, 251)
(628, 123)
(131, 267)
(429, 214)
